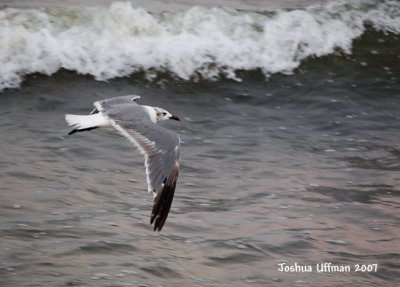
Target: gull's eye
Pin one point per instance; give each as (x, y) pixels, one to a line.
(164, 114)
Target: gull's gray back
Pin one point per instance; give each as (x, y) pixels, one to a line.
(109, 103)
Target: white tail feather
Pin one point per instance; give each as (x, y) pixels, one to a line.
(87, 121)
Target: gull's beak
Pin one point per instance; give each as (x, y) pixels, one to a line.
(175, 118)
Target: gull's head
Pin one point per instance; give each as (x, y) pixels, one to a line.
(163, 115)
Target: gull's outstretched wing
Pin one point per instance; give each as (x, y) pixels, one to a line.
(104, 105)
(160, 148)
(109, 103)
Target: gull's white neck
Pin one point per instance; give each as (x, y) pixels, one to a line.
(152, 113)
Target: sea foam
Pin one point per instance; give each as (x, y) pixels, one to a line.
(198, 43)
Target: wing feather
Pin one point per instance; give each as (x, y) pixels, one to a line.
(162, 203)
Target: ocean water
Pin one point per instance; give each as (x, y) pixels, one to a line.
(290, 143)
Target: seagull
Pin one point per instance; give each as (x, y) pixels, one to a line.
(160, 146)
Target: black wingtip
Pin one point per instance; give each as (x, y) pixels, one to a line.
(72, 132)
(81, 130)
(163, 201)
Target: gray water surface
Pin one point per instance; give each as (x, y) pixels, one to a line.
(299, 168)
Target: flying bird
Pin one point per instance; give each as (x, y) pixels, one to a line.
(160, 146)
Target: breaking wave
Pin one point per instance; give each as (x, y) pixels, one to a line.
(199, 43)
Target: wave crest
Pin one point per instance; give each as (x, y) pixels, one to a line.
(116, 41)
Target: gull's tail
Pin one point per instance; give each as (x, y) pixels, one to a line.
(82, 123)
